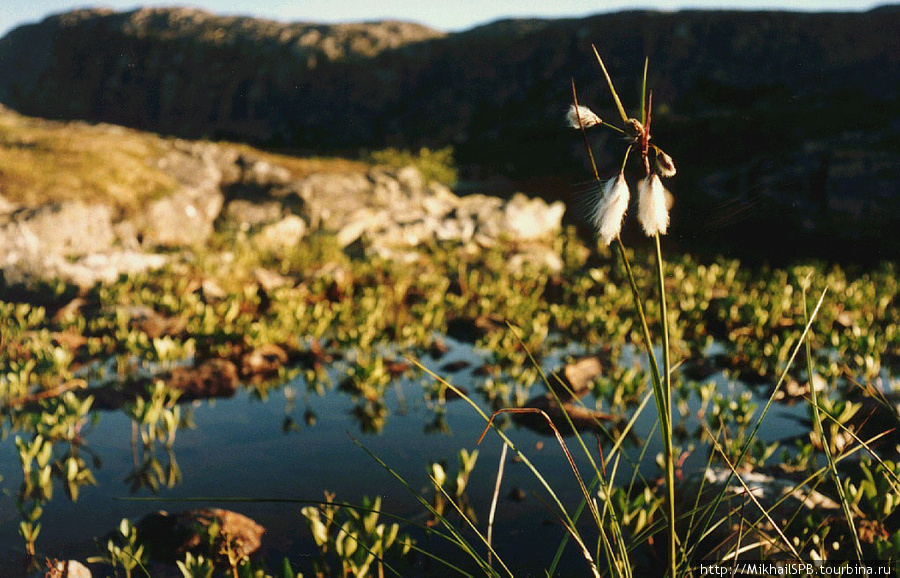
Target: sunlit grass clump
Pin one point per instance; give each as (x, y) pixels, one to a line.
(43, 161)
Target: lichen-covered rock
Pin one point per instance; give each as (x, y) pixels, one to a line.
(284, 234)
(105, 267)
(395, 210)
(246, 214)
(83, 272)
(262, 173)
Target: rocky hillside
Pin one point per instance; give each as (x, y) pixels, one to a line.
(779, 120)
(68, 212)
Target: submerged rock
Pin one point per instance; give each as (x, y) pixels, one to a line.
(264, 361)
(65, 569)
(577, 378)
(203, 531)
(212, 378)
(583, 418)
(785, 501)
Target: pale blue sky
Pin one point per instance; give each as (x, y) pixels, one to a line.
(441, 14)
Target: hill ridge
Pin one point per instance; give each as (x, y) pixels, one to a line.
(795, 107)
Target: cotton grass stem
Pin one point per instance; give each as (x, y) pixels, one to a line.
(666, 417)
(662, 387)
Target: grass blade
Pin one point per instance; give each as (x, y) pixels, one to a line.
(612, 89)
(817, 420)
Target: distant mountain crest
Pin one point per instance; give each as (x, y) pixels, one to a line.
(334, 41)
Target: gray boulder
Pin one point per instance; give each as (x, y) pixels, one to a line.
(530, 219)
(282, 235)
(84, 272)
(186, 217)
(247, 214)
(183, 219)
(68, 228)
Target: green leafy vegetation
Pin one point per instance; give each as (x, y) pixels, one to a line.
(435, 165)
(332, 304)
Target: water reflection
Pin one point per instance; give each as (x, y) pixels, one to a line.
(289, 439)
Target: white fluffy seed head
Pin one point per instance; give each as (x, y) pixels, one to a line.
(586, 115)
(652, 212)
(610, 208)
(665, 166)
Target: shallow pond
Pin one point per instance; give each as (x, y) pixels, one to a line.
(296, 444)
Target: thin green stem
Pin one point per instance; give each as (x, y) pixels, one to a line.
(654, 368)
(666, 417)
(667, 376)
(644, 91)
(662, 388)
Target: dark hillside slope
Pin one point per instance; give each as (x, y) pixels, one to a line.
(787, 120)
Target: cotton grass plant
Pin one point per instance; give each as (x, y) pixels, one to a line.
(623, 525)
(608, 212)
(653, 215)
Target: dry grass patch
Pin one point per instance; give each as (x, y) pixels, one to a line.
(43, 161)
(301, 167)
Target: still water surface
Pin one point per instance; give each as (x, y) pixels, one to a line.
(246, 447)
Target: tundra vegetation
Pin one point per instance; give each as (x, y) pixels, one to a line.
(707, 350)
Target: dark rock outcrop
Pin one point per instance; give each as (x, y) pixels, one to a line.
(778, 121)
